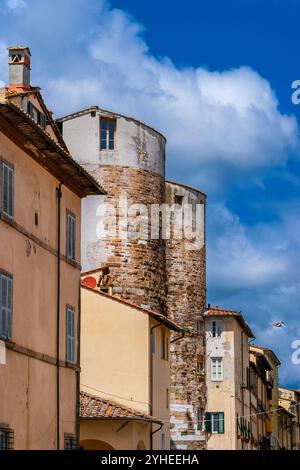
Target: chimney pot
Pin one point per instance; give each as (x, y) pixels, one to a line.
(19, 67)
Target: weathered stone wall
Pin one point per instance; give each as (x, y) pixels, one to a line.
(166, 275)
(137, 263)
(186, 302)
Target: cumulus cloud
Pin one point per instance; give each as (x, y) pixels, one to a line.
(3, 61)
(229, 118)
(256, 270)
(15, 4)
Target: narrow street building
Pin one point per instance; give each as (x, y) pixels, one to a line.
(264, 366)
(125, 372)
(41, 187)
(227, 420)
(290, 400)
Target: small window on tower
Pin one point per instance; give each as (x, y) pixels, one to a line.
(16, 58)
(107, 131)
(178, 199)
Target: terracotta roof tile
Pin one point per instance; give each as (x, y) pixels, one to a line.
(92, 407)
(217, 311)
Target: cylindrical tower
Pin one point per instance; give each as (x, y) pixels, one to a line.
(186, 302)
(128, 158)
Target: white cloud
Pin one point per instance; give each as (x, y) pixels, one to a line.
(237, 260)
(228, 118)
(220, 125)
(15, 4)
(3, 60)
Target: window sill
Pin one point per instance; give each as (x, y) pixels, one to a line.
(70, 365)
(7, 341)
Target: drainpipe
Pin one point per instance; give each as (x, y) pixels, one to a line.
(58, 198)
(154, 432)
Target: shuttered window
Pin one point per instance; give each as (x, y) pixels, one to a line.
(36, 115)
(215, 423)
(71, 236)
(5, 306)
(70, 335)
(7, 190)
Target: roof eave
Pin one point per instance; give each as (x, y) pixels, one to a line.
(91, 187)
(121, 418)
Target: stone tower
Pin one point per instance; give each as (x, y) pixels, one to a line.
(166, 274)
(186, 302)
(128, 157)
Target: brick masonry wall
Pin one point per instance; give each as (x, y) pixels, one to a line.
(137, 265)
(186, 301)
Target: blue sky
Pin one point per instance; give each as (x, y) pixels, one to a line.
(215, 77)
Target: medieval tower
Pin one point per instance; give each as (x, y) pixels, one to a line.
(150, 268)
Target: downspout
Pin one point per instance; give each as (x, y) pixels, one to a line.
(58, 197)
(154, 432)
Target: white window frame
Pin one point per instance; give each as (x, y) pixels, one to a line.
(217, 369)
(215, 417)
(108, 122)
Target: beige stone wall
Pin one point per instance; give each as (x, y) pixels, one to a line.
(115, 357)
(28, 379)
(107, 435)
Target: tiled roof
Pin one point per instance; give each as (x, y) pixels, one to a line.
(92, 407)
(217, 311)
(52, 155)
(263, 348)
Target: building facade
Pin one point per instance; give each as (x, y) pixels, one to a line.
(264, 397)
(39, 269)
(125, 358)
(228, 416)
(290, 400)
(153, 247)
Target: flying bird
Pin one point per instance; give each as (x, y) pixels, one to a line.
(278, 324)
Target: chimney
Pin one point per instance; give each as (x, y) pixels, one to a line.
(19, 68)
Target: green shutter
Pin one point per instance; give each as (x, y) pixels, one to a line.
(208, 422)
(221, 423)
